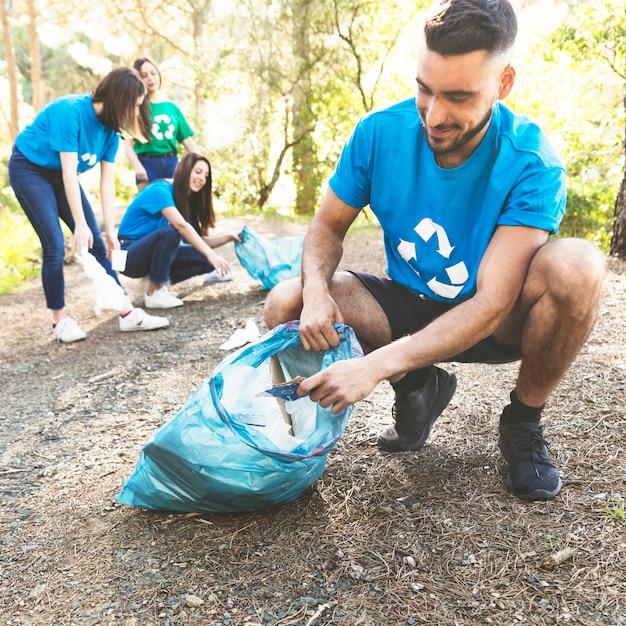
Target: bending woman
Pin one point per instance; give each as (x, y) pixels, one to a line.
(69, 136)
(165, 231)
(158, 158)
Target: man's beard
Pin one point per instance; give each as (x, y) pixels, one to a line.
(464, 139)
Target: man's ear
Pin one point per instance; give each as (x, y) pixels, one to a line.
(506, 82)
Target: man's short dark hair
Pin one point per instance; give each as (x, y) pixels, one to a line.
(462, 26)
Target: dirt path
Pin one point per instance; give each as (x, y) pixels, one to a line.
(431, 537)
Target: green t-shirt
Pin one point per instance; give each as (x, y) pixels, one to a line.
(169, 128)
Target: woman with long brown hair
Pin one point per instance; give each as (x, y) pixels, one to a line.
(165, 230)
(158, 157)
(67, 137)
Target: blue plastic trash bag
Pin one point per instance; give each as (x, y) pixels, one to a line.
(269, 261)
(231, 448)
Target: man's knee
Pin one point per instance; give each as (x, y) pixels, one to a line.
(283, 303)
(572, 270)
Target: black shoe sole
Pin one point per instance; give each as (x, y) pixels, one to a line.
(538, 494)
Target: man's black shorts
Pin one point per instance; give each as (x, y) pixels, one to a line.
(408, 313)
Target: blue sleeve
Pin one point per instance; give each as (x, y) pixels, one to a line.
(64, 127)
(110, 149)
(351, 180)
(155, 197)
(538, 199)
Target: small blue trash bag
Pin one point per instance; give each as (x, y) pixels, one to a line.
(269, 261)
(230, 449)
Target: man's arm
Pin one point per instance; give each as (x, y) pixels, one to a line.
(499, 283)
(500, 279)
(322, 251)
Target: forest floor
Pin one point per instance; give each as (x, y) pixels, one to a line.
(427, 537)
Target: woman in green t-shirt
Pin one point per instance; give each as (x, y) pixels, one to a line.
(158, 158)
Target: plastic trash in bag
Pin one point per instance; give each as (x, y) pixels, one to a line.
(242, 336)
(108, 294)
(269, 261)
(234, 448)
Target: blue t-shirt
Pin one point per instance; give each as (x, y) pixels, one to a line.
(68, 124)
(437, 223)
(143, 215)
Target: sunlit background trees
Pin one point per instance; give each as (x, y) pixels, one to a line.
(273, 88)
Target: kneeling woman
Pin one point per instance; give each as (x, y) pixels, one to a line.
(165, 231)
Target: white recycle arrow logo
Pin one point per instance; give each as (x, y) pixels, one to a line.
(457, 273)
(156, 126)
(88, 158)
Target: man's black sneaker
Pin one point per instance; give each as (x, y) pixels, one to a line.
(416, 412)
(532, 475)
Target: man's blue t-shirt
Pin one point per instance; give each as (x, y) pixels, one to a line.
(68, 124)
(437, 223)
(143, 215)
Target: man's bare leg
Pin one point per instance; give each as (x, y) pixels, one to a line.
(359, 308)
(556, 312)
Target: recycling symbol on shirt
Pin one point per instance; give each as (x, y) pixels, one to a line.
(90, 159)
(162, 127)
(457, 274)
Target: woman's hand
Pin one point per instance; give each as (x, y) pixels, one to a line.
(112, 242)
(83, 238)
(141, 175)
(219, 263)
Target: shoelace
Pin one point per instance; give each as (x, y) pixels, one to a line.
(533, 441)
(61, 328)
(400, 406)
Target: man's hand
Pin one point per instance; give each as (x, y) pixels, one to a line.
(341, 384)
(316, 323)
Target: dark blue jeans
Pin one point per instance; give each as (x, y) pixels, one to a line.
(159, 167)
(163, 256)
(41, 194)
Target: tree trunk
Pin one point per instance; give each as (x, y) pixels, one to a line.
(618, 240)
(304, 159)
(36, 79)
(9, 57)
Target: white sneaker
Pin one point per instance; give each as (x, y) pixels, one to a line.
(138, 319)
(67, 331)
(215, 277)
(162, 299)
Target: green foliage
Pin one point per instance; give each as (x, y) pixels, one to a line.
(255, 77)
(589, 212)
(20, 256)
(614, 510)
(569, 83)
(595, 31)
(125, 187)
(61, 73)
(19, 246)
(593, 38)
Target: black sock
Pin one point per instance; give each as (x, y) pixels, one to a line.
(413, 380)
(519, 412)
